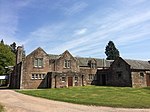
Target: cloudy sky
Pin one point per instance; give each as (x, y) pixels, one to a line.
(83, 27)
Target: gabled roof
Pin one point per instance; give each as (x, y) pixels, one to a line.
(138, 64)
(38, 49)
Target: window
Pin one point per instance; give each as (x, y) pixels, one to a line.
(91, 77)
(40, 76)
(93, 65)
(37, 76)
(38, 62)
(67, 64)
(141, 74)
(63, 78)
(119, 74)
(43, 76)
(76, 79)
(32, 76)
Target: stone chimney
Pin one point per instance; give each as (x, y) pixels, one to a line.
(19, 54)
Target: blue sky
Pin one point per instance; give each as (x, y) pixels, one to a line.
(83, 27)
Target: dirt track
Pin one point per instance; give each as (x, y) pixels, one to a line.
(16, 102)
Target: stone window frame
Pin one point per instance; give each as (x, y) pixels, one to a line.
(93, 65)
(141, 74)
(90, 76)
(33, 76)
(76, 78)
(67, 63)
(63, 78)
(38, 62)
(36, 76)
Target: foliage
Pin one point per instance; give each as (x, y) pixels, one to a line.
(13, 47)
(7, 58)
(111, 51)
(97, 95)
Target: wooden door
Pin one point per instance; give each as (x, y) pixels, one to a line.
(148, 79)
(70, 81)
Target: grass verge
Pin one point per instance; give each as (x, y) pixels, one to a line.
(96, 95)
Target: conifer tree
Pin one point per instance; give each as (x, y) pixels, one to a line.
(111, 51)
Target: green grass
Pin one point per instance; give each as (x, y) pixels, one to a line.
(96, 95)
(1, 108)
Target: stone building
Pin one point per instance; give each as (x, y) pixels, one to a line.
(42, 70)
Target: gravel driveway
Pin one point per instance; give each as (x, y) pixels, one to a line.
(16, 102)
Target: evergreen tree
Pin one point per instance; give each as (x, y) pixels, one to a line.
(2, 42)
(13, 47)
(111, 51)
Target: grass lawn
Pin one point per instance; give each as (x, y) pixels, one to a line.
(97, 95)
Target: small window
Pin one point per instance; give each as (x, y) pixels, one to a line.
(93, 65)
(142, 74)
(63, 78)
(38, 62)
(67, 64)
(43, 76)
(90, 77)
(40, 76)
(119, 74)
(76, 79)
(33, 76)
(36, 76)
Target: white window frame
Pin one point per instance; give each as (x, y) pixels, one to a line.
(38, 62)
(67, 63)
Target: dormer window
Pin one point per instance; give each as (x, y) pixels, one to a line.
(93, 65)
(67, 64)
(38, 62)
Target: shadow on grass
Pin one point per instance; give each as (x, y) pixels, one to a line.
(147, 88)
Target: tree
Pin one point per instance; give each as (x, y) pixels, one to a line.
(7, 58)
(2, 42)
(13, 47)
(111, 51)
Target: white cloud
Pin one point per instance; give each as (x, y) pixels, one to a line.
(81, 31)
(75, 8)
(132, 3)
(9, 19)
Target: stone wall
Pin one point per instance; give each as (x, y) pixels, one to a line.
(120, 74)
(29, 69)
(139, 79)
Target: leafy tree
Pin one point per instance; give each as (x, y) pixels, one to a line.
(111, 51)
(7, 58)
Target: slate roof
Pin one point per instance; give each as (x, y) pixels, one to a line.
(53, 56)
(138, 64)
(135, 64)
(100, 62)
